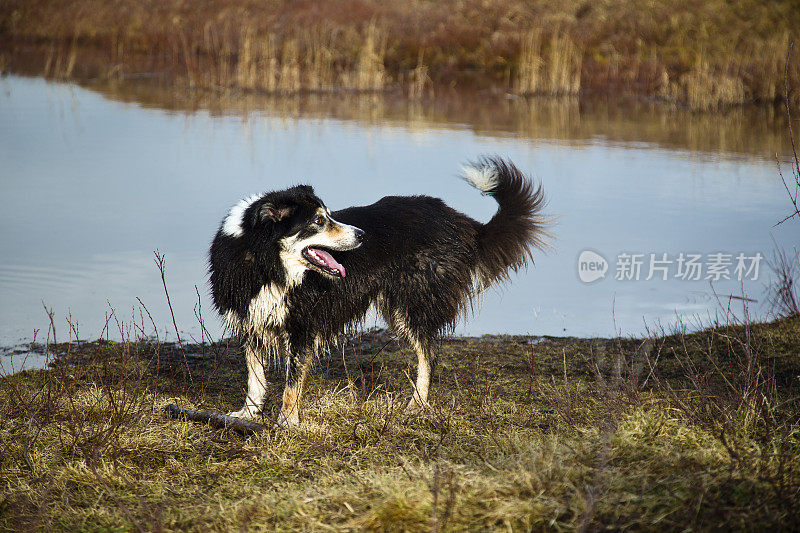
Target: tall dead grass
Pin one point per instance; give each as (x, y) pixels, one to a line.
(257, 65)
(784, 294)
(316, 59)
(552, 70)
(368, 73)
(703, 89)
(754, 74)
(703, 56)
(419, 80)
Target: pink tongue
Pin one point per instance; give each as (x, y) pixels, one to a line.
(329, 260)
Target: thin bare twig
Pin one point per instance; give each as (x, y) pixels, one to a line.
(796, 169)
(162, 269)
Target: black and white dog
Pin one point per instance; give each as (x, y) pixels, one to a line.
(288, 275)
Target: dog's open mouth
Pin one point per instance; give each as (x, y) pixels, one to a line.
(324, 261)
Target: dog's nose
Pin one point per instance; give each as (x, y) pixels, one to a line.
(359, 235)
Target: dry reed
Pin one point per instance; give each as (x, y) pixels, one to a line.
(316, 60)
(368, 73)
(703, 89)
(703, 56)
(554, 70)
(418, 80)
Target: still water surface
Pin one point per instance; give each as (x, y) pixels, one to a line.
(93, 181)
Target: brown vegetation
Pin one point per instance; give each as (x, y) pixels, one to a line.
(671, 432)
(703, 54)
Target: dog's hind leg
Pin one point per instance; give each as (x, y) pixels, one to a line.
(425, 362)
(256, 356)
(296, 371)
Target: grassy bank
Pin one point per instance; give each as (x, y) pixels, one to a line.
(701, 54)
(674, 432)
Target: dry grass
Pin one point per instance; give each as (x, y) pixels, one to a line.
(704, 90)
(555, 72)
(701, 54)
(419, 80)
(310, 61)
(524, 434)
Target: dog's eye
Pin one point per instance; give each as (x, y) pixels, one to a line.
(319, 221)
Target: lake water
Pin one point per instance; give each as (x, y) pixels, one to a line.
(94, 180)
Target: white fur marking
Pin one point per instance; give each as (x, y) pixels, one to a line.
(267, 310)
(294, 265)
(419, 398)
(483, 178)
(256, 385)
(233, 222)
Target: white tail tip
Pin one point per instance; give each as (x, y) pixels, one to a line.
(483, 178)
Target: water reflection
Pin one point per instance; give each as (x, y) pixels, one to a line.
(94, 180)
(738, 132)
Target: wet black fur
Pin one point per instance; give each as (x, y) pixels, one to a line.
(418, 259)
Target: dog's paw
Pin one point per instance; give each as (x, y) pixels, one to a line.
(416, 405)
(287, 422)
(248, 411)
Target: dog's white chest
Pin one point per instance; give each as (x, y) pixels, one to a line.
(267, 311)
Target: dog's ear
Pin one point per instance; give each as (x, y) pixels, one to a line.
(274, 212)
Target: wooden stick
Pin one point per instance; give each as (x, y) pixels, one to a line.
(216, 419)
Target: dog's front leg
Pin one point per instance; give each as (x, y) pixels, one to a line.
(425, 364)
(297, 363)
(256, 356)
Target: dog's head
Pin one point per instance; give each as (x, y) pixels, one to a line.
(301, 226)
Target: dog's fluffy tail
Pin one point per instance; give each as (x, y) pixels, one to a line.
(507, 241)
